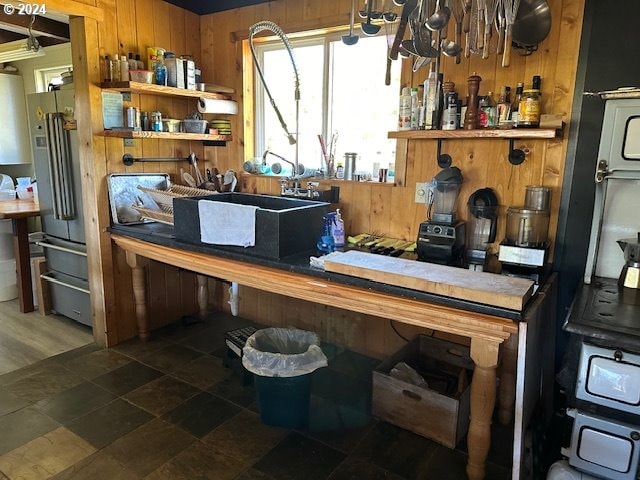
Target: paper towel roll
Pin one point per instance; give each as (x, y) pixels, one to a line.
(210, 105)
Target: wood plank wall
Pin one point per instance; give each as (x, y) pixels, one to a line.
(383, 208)
(130, 26)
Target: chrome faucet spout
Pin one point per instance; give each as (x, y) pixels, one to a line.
(293, 137)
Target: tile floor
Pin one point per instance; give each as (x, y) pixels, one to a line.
(169, 409)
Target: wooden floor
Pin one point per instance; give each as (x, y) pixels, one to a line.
(26, 338)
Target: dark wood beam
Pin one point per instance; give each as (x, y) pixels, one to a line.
(48, 41)
(42, 27)
(6, 36)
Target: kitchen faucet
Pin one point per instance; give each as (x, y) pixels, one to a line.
(293, 138)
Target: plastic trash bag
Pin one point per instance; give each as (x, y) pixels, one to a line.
(283, 352)
(402, 371)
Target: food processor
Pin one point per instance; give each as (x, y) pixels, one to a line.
(481, 226)
(523, 252)
(441, 237)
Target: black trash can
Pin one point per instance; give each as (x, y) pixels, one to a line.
(282, 360)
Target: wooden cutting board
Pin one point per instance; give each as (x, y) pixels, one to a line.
(480, 287)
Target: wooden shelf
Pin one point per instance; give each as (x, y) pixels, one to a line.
(519, 133)
(166, 135)
(153, 89)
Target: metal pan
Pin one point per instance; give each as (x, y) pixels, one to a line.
(532, 24)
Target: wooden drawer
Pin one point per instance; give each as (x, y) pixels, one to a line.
(440, 412)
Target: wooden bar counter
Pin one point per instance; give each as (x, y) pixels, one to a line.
(19, 211)
(487, 328)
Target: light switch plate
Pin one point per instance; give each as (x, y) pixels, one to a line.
(421, 192)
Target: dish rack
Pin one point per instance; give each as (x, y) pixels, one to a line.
(164, 199)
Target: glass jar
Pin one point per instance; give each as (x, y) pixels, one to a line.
(529, 109)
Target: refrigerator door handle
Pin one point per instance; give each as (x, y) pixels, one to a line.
(46, 277)
(52, 149)
(61, 249)
(59, 155)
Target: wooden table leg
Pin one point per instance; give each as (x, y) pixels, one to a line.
(507, 391)
(23, 264)
(483, 399)
(139, 280)
(203, 295)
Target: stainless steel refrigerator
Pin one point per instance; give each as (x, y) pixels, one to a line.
(55, 154)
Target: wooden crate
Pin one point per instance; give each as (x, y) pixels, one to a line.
(440, 412)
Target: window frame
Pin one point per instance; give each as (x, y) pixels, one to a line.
(43, 76)
(300, 39)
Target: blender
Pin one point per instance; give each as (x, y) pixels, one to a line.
(441, 237)
(481, 226)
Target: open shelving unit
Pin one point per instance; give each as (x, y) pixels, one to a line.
(165, 135)
(153, 89)
(460, 134)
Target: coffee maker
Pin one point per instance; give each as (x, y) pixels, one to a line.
(441, 237)
(523, 253)
(482, 222)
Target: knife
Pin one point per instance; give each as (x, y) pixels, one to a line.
(407, 8)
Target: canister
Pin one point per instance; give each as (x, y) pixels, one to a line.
(132, 114)
(349, 165)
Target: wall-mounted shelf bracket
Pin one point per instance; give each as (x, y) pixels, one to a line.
(444, 159)
(516, 156)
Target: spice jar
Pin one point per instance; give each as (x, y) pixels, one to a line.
(529, 109)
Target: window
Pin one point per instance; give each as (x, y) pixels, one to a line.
(342, 90)
(50, 76)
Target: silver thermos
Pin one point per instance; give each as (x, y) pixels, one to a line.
(349, 165)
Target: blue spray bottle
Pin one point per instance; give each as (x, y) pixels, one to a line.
(337, 231)
(325, 243)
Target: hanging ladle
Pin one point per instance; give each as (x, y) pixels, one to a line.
(351, 39)
(439, 19)
(369, 28)
(450, 48)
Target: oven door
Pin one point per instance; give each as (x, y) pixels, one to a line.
(603, 447)
(609, 377)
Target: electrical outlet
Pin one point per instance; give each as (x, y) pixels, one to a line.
(421, 192)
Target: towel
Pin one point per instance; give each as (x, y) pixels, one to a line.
(223, 223)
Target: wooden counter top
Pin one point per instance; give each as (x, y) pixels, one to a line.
(19, 209)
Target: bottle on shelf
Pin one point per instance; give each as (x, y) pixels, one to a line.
(139, 62)
(107, 69)
(159, 68)
(487, 111)
(529, 108)
(115, 68)
(404, 110)
(504, 105)
(515, 106)
(124, 69)
(429, 100)
(415, 109)
(340, 169)
(133, 65)
(450, 111)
